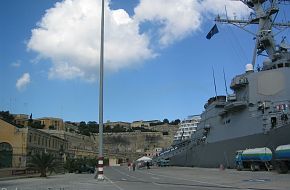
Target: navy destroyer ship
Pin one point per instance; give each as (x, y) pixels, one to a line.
(257, 113)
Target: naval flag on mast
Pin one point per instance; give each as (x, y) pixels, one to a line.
(212, 32)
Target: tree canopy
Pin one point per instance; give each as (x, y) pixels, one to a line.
(43, 162)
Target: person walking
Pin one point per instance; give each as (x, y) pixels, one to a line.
(148, 165)
(134, 166)
(129, 166)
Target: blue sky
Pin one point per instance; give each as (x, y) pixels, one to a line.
(168, 75)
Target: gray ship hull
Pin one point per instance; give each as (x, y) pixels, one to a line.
(223, 152)
(256, 114)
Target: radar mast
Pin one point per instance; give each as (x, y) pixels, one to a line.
(264, 15)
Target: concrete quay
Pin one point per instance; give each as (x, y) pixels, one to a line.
(169, 178)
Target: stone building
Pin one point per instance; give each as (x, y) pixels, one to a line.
(110, 124)
(18, 144)
(144, 124)
(165, 128)
(71, 126)
(52, 123)
(21, 119)
(47, 122)
(79, 146)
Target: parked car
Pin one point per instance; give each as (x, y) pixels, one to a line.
(163, 163)
(85, 169)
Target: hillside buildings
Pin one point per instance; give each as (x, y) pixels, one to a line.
(145, 124)
(52, 123)
(186, 128)
(125, 125)
(18, 140)
(18, 144)
(79, 146)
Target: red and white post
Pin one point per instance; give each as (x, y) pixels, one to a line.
(101, 157)
(101, 168)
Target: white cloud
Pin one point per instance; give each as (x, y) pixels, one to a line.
(69, 33)
(222, 7)
(16, 64)
(23, 81)
(178, 19)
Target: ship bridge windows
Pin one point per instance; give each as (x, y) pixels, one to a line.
(278, 65)
(281, 65)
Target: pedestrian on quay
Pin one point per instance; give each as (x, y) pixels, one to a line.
(129, 166)
(134, 166)
(148, 165)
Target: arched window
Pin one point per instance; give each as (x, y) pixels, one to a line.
(4, 146)
(5, 155)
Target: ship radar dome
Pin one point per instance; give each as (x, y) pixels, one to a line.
(249, 68)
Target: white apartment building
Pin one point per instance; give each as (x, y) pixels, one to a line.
(187, 127)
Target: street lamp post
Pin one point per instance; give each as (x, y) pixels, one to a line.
(101, 157)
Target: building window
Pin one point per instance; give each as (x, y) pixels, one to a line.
(30, 138)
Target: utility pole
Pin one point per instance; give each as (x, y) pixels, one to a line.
(101, 157)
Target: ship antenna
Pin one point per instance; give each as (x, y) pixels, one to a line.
(255, 52)
(225, 82)
(214, 82)
(264, 16)
(226, 12)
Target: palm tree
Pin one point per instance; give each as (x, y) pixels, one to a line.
(43, 163)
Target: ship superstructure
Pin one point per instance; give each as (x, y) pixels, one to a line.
(256, 114)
